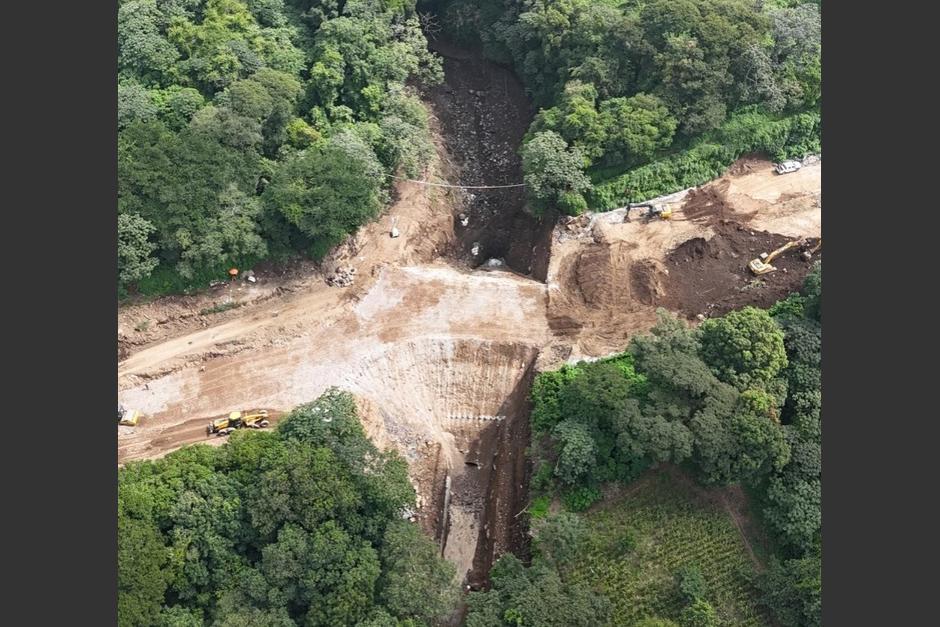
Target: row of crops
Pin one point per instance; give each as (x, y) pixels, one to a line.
(641, 541)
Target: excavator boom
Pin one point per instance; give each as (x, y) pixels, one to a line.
(762, 266)
(781, 250)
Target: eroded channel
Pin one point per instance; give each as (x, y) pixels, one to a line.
(484, 113)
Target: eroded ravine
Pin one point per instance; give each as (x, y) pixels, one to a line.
(484, 113)
(441, 356)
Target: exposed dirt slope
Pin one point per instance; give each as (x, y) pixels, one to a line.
(483, 113)
(441, 356)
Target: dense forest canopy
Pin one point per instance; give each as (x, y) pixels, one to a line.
(254, 128)
(625, 84)
(300, 526)
(735, 400)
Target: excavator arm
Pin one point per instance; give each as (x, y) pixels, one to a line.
(762, 266)
(782, 250)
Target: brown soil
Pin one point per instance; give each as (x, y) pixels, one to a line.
(431, 348)
(710, 276)
(709, 204)
(191, 431)
(484, 112)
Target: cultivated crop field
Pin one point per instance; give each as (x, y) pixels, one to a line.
(671, 527)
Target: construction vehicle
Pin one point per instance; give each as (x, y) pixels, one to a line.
(238, 420)
(787, 166)
(128, 418)
(652, 211)
(761, 265)
(808, 254)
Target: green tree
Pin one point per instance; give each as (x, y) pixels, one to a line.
(535, 596)
(636, 128)
(416, 584)
(559, 538)
(553, 173)
(644, 436)
(577, 452)
(792, 590)
(796, 33)
(546, 391)
(328, 190)
(405, 138)
(656, 622)
(691, 85)
(699, 613)
(794, 510)
(142, 574)
(597, 397)
(812, 288)
(178, 106)
(143, 51)
(744, 347)
(231, 234)
(576, 119)
(135, 250)
(178, 616)
(691, 583)
(135, 103)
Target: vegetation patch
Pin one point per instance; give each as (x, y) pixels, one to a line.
(735, 401)
(255, 130)
(300, 526)
(220, 307)
(647, 541)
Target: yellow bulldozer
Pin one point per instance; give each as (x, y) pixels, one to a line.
(653, 211)
(238, 420)
(128, 417)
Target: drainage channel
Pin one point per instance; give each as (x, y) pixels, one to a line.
(484, 492)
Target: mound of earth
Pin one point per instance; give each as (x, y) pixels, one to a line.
(647, 281)
(710, 276)
(601, 276)
(709, 204)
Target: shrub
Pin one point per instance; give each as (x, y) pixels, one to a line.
(580, 498)
(691, 583)
(539, 507)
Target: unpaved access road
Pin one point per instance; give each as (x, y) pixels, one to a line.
(344, 342)
(440, 355)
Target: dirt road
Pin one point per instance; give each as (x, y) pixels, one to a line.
(441, 355)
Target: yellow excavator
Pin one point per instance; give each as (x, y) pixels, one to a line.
(761, 265)
(663, 212)
(808, 254)
(238, 420)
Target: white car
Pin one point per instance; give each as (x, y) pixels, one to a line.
(788, 166)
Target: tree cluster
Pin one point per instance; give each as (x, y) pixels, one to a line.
(542, 594)
(710, 397)
(255, 128)
(736, 400)
(299, 526)
(623, 82)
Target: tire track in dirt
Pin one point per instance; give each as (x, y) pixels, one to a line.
(415, 338)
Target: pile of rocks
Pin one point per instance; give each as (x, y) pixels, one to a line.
(343, 277)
